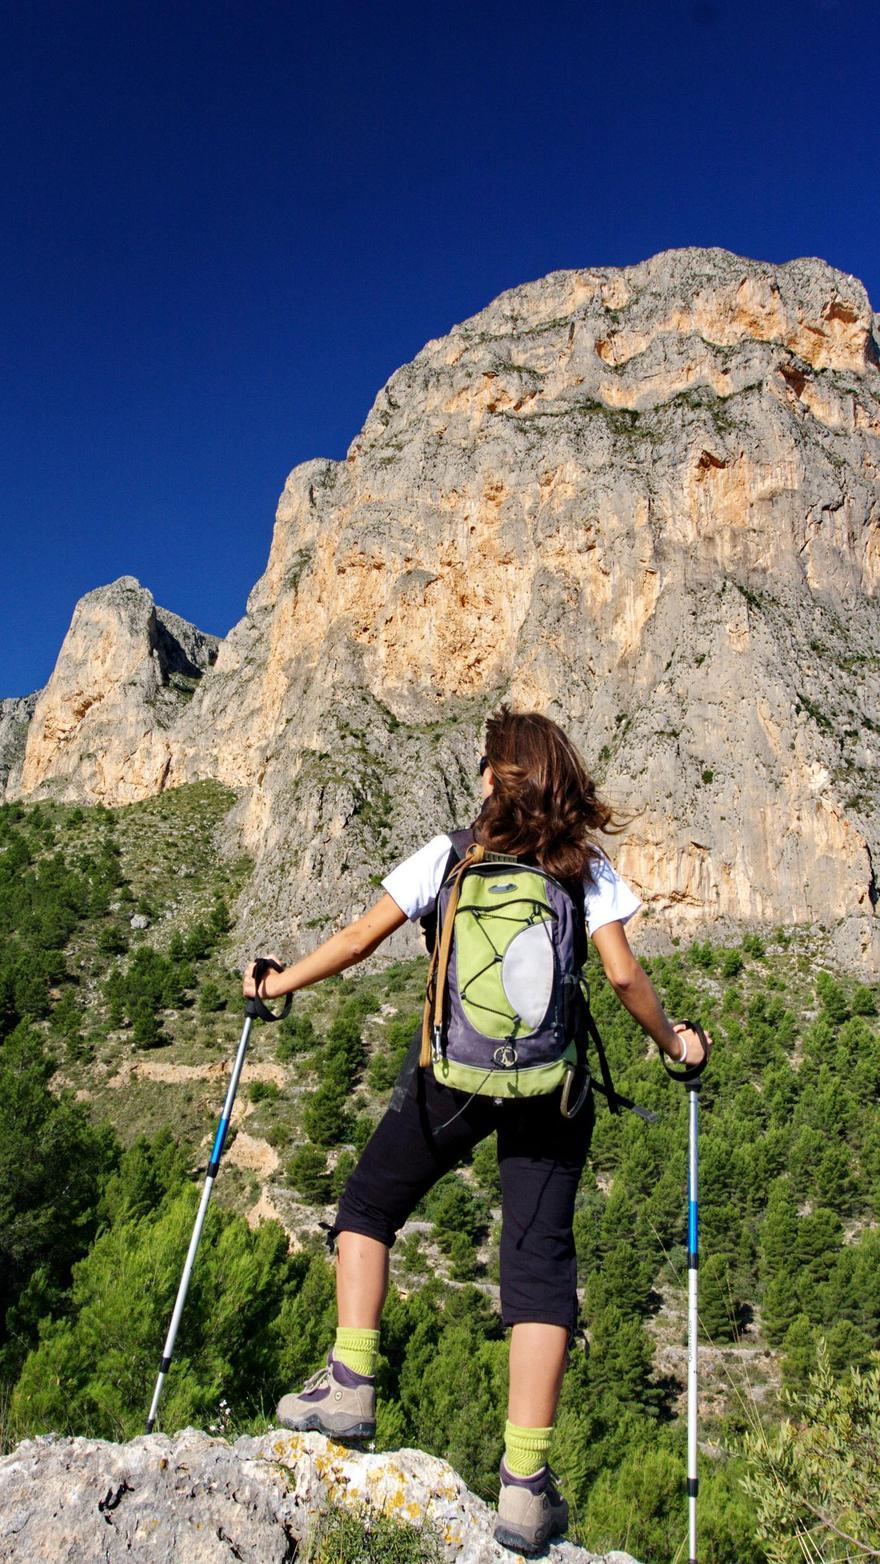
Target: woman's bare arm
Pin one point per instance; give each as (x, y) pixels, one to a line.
(342, 950)
(637, 993)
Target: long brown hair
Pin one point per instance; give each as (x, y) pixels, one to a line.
(543, 804)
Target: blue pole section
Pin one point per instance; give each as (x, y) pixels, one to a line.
(213, 1168)
(693, 1091)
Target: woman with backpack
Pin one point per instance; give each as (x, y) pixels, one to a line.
(539, 815)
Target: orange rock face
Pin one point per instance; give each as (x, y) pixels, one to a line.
(643, 500)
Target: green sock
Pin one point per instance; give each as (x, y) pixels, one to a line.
(525, 1449)
(357, 1349)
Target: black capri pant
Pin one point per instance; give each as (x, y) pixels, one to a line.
(428, 1129)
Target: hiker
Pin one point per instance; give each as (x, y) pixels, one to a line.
(539, 808)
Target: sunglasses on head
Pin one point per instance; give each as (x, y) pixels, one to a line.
(484, 761)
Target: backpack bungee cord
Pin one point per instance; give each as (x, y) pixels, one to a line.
(254, 1009)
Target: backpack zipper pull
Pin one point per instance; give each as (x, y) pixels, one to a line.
(437, 1044)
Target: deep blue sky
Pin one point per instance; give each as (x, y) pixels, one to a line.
(225, 224)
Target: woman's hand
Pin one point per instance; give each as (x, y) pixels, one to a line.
(695, 1050)
(249, 987)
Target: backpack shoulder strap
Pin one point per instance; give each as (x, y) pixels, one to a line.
(460, 842)
(582, 938)
(432, 1020)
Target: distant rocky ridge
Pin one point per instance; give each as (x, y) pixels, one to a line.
(645, 500)
(100, 730)
(15, 715)
(201, 1500)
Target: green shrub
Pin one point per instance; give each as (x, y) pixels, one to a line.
(832, 999)
(454, 1210)
(460, 1251)
(264, 1091)
(211, 998)
(295, 1035)
(815, 1480)
(361, 1130)
(199, 942)
(703, 956)
(485, 1167)
(863, 1002)
(753, 946)
(369, 1536)
(219, 920)
(345, 1166)
(113, 940)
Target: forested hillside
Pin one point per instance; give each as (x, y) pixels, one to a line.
(119, 1013)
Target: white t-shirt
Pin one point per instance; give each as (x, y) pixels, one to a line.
(415, 882)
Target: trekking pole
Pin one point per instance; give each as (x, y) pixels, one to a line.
(691, 1077)
(253, 1008)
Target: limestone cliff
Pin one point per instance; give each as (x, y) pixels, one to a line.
(645, 500)
(100, 728)
(197, 1499)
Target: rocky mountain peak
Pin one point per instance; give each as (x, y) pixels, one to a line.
(645, 500)
(642, 499)
(126, 668)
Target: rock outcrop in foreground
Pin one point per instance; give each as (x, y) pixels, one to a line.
(201, 1501)
(645, 500)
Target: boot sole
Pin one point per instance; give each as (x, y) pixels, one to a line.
(313, 1424)
(518, 1543)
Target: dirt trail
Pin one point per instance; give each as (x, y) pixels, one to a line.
(171, 1074)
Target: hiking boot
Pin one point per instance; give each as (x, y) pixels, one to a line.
(531, 1510)
(336, 1401)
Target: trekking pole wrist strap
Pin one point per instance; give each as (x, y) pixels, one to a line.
(691, 1072)
(257, 1007)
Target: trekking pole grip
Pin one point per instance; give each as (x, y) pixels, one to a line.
(256, 1007)
(691, 1073)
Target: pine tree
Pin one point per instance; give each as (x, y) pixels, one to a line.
(146, 1026)
(836, 1182)
(779, 1307)
(308, 1171)
(620, 1359)
(639, 1500)
(89, 1371)
(720, 1310)
(799, 1353)
(818, 1242)
(623, 1281)
(778, 1232)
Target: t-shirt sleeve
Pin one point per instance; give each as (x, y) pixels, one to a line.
(609, 899)
(415, 882)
